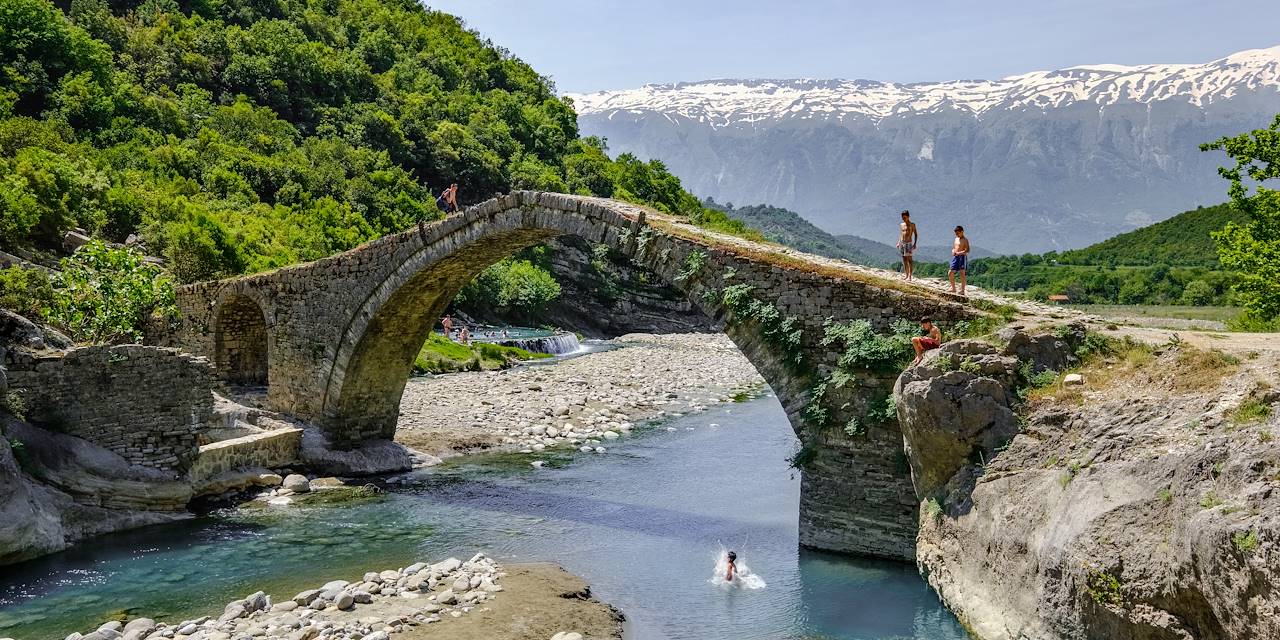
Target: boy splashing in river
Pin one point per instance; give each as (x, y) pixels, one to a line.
(729, 573)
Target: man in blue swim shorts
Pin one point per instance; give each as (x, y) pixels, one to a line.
(959, 260)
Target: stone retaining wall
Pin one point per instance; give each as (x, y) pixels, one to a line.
(146, 404)
(268, 450)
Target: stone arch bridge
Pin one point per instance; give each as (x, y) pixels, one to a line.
(334, 340)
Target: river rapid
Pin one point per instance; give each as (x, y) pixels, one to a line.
(643, 524)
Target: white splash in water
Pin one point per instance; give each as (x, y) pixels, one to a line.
(743, 578)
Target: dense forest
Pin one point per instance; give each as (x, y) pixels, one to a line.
(233, 136)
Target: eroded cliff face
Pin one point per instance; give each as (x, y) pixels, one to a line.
(1139, 504)
(74, 476)
(58, 490)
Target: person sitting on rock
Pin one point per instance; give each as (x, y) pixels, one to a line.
(931, 340)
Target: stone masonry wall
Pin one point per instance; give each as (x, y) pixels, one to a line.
(268, 450)
(146, 404)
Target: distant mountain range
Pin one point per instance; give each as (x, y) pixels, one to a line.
(1041, 161)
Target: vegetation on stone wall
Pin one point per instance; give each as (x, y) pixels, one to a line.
(862, 349)
(783, 333)
(106, 295)
(100, 294)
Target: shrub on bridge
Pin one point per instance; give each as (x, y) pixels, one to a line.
(782, 333)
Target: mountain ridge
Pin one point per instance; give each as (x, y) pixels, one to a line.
(1048, 160)
(1212, 80)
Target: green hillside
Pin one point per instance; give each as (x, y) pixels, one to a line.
(1180, 241)
(1170, 262)
(788, 227)
(235, 136)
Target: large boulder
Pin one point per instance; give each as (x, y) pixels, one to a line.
(30, 522)
(19, 333)
(954, 408)
(1053, 350)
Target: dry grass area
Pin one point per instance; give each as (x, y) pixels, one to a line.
(1131, 367)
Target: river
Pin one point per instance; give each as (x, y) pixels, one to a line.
(641, 523)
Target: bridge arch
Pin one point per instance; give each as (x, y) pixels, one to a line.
(376, 353)
(241, 341)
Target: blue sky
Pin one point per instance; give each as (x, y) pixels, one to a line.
(588, 45)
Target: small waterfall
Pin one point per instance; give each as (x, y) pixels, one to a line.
(553, 344)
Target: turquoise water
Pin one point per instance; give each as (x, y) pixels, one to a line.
(642, 523)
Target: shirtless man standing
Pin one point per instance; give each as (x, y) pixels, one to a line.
(908, 238)
(959, 260)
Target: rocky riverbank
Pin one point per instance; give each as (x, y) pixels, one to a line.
(449, 599)
(1132, 497)
(583, 402)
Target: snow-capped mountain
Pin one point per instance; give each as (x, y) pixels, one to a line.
(1042, 160)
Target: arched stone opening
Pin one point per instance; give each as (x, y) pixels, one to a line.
(240, 342)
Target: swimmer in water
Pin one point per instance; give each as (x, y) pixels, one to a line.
(733, 557)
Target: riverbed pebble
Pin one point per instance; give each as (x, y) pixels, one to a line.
(601, 396)
(297, 483)
(334, 610)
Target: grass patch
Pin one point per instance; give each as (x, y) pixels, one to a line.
(1198, 369)
(442, 355)
(1210, 500)
(1245, 541)
(1165, 495)
(933, 509)
(1104, 588)
(1173, 312)
(1251, 411)
(1106, 361)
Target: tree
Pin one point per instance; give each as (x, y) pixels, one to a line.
(108, 295)
(1253, 248)
(1197, 293)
